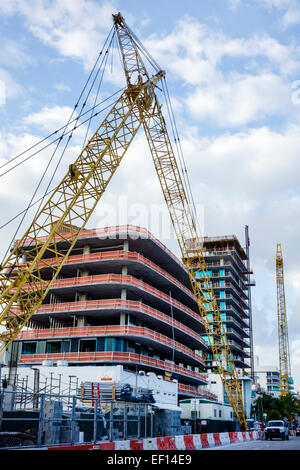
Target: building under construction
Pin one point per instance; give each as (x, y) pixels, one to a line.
(122, 298)
(228, 267)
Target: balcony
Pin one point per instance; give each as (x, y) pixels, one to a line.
(227, 285)
(148, 337)
(115, 358)
(110, 309)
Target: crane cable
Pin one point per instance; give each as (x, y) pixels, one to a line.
(79, 125)
(174, 128)
(58, 130)
(70, 121)
(63, 134)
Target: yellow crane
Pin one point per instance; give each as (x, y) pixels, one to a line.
(22, 284)
(283, 339)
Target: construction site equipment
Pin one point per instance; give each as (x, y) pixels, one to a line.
(111, 391)
(283, 339)
(68, 209)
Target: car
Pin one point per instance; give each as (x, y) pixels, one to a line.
(277, 428)
(298, 431)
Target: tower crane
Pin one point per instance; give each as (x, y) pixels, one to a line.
(283, 340)
(68, 209)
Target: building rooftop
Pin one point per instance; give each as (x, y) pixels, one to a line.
(224, 243)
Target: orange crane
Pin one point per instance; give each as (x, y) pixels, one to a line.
(22, 284)
(283, 339)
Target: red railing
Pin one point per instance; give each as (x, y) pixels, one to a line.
(119, 254)
(114, 330)
(109, 232)
(193, 391)
(112, 304)
(118, 357)
(123, 280)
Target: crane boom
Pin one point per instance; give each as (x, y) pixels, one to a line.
(22, 284)
(184, 224)
(283, 341)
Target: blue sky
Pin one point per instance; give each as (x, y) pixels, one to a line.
(232, 70)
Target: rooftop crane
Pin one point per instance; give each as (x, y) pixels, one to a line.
(22, 285)
(283, 340)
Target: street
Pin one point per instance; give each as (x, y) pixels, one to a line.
(276, 444)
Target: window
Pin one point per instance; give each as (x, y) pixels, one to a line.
(88, 345)
(28, 348)
(215, 413)
(53, 347)
(220, 413)
(109, 344)
(66, 346)
(119, 344)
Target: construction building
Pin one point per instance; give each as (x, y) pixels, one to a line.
(267, 379)
(228, 267)
(122, 298)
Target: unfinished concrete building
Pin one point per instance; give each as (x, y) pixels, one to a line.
(122, 298)
(228, 267)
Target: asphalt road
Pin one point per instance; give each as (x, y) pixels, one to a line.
(276, 444)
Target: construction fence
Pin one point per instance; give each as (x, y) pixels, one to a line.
(41, 419)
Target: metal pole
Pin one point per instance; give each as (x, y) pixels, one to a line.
(95, 420)
(151, 422)
(139, 421)
(195, 415)
(73, 419)
(111, 417)
(125, 421)
(41, 420)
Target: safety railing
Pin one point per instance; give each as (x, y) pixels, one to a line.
(111, 304)
(39, 419)
(114, 357)
(114, 330)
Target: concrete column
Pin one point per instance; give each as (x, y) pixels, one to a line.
(81, 321)
(86, 249)
(82, 297)
(125, 245)
(83, 272)
(123, 297)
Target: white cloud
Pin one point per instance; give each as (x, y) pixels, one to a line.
(233, 4)
(75, 28)
(50, 118)
(12, 55)
(290, 9)
(241, 99)
(13, 89)
(62, 87)
(255, 87)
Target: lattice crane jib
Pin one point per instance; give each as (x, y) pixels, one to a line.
(22, 284)
(183, 222)
(283, 341)
(65, 214)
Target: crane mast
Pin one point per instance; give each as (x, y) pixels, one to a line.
(184, 224)
(62, 218)
(283, 340)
